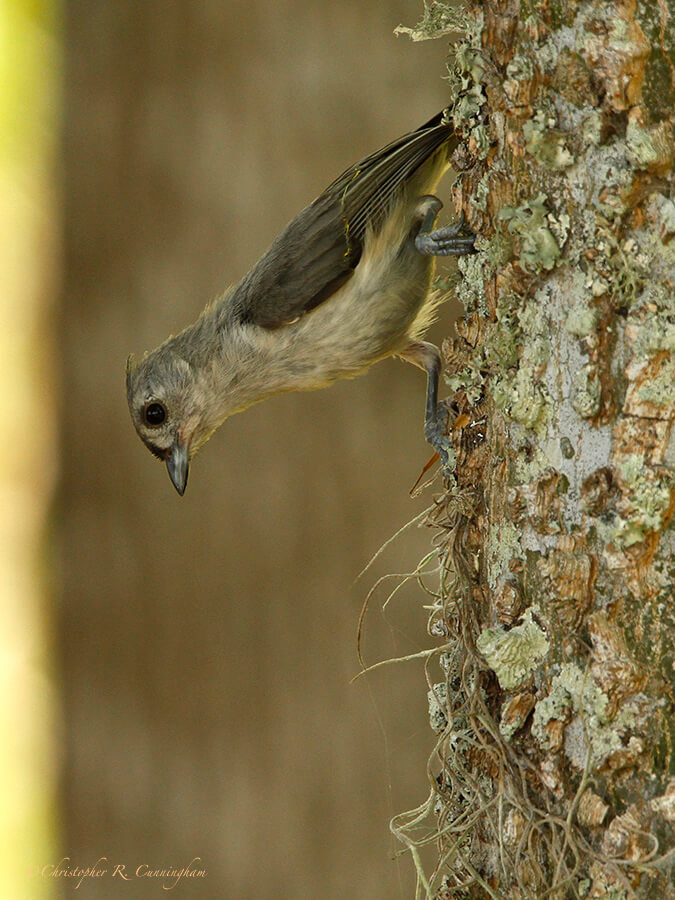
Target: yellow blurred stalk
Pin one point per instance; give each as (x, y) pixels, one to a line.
(28, 704)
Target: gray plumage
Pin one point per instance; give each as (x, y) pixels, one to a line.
(344, 285)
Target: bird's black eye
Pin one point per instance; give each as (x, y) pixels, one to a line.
(154, 414)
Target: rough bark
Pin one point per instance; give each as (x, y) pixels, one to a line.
(552, 688)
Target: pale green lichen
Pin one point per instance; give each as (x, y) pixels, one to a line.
(475, 268)
(641, 149)
(582, 319)
(545, 143)
(649, 495)
(451, 461)
(660, 390)
(584, 887)
(592, 733)
(559, 227)
(647, 148)
(656, 328)
(524, 399)
(663, 211)
(520, 68)
(625, 279)
(522, 335)
(469, 379)
(587, 392)
(585, 227)
(466, 84)
(514, 655)
(655, 334)
(527, 467)
(535, 327)
(560, 41)
(571, 691)
(439, 19)
(650, 254)
(539, 249)
(482, 192)
(615, 39)
(612, 178)
(465, 76)
(508, 730)
(500, 349)
(481, 136)
(438, 703)
(591, 129)
(498, 250)
(547, 56)
(503, 546)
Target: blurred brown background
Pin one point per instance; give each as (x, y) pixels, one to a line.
(206, 645)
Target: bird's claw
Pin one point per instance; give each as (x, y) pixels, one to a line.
(452, 240)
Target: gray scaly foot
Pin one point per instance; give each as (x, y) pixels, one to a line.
(427, 357)
(453, 240)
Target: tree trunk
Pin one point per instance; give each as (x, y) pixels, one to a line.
(552, 775)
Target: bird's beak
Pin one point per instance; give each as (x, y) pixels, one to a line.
(178, 464)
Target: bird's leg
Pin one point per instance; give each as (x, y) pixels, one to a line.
(453, 240)
(427, 357)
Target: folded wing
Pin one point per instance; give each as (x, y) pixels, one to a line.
(319, 249)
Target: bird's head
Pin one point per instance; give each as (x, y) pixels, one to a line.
(166, 407)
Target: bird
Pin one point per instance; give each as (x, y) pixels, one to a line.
(346, 284)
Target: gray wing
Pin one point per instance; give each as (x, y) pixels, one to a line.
(318, 251)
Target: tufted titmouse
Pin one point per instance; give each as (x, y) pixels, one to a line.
(344, 285)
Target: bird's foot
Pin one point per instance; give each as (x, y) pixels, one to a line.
(436, 433)
(453, 240)
(436, 415)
